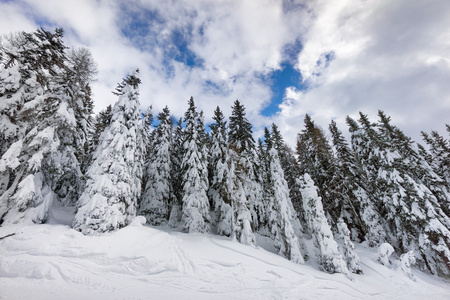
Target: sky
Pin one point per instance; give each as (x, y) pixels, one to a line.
(280, 59)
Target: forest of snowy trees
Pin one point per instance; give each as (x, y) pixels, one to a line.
(381, 187)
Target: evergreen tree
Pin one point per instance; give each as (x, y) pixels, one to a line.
(282, 221)
(101, 121)
(176, 174)
(347, 248)
(38, 127)
(219, 190)
(259, 216)
(353, 201)
(291, 170)
(242, 152)
(82, 70)
(147, 132)
(437, 165)
(158, 192)
(395, 172)
(440, 152)
(195, 181)
(415, 215)
(316, 158)
(113, 184)
(241, 218)
(327, 253)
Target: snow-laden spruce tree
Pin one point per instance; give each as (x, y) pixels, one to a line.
(39, 159)
(158, 192)
(81, 72)
(219, 189)
(327, 252)
(101, 122)
(315, 157)
(242, 154)
(282, 221)
(195, 176)
(397, 180)
(291, 169)
(261, 169)
(241, 218)
(347, 247)
(439, 148)
(420, 222)
(176, 174)
(113, 184)
(350, 182)
(437, 167)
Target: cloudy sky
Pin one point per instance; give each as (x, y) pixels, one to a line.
(281, 59)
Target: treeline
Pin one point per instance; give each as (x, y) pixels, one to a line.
(380, 188)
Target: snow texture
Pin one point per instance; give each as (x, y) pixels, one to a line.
(53, 261)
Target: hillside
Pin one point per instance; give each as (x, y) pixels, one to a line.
(53, 261)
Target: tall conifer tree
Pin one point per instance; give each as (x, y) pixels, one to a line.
(158, 193)
(195, 175)
(242, 151)
(39, 160)
(220, 187)
(113, 185)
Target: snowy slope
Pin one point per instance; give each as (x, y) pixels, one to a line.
(53, 261)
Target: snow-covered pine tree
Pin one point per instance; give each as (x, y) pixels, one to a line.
(176, 174)
(281, 218)
(195, 181)
(38, 126)
(440, 154)
(316, 158)
(291, 169)
(437, 165)
(347, 248)
(355, 205)
(415, 214)
(242, 154)
(396, 172)
(205, 145)
(113, 184)
(261, 169)
(75, 82)
(241, 218)
(82, 70)
(327, 253)
(219, 189)
(101, 121)
(158, 192)
(147, 131)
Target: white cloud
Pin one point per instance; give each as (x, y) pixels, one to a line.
(388, 55)
(236, 41)
(14, 18)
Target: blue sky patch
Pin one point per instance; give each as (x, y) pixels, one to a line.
(280, 80)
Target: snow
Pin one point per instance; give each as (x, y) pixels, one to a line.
(53, 261)
(10, 158)
(385, 251)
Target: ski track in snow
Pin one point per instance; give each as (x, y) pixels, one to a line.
(53, 261)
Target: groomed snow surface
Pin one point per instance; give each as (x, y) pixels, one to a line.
(53, 261)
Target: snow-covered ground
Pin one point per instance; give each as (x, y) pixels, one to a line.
(53, 261)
